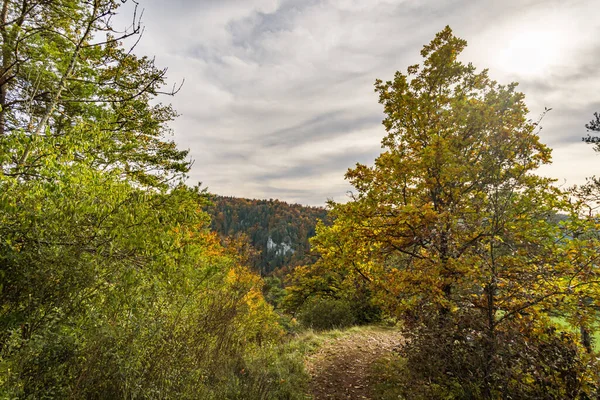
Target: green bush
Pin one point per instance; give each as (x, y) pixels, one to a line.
(326, 313)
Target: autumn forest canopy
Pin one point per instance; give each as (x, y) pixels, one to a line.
(120, 279)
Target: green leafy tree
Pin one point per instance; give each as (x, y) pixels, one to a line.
(65, 79)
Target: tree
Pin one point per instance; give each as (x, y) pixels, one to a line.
(65, 78)
(593, 126)
(589, 193)
(459, 236)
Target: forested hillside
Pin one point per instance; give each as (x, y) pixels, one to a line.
(278, 231)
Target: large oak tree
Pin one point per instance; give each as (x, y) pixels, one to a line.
(473, 251)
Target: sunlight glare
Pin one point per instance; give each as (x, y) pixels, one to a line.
(531, 52)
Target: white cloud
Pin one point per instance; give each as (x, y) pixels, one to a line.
(280, 88)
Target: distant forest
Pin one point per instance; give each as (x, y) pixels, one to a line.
(277, 231)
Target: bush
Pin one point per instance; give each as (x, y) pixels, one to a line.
(326, 313)
(528, 361)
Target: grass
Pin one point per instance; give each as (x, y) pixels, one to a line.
(562, 323)
(288, 361)
(309, 341)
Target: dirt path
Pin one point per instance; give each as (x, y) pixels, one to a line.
(341, 368)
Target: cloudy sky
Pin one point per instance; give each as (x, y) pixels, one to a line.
(278, 99)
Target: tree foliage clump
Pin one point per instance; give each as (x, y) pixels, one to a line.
(593, 126)
(322, 297)
(457, 237)
(111, 292)
(589, 193)
(66, 79)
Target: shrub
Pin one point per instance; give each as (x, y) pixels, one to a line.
(322, 313)
(530, 361)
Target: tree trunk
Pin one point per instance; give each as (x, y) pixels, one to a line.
(586, 339)
(6, 60)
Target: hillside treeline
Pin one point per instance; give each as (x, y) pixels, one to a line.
(278, 232)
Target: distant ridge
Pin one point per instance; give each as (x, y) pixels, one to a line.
(278, 230)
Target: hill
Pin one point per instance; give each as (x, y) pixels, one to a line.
(278, 231)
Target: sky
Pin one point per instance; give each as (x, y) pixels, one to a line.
(278, 98)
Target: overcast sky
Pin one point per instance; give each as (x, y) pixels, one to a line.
(278, 99)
